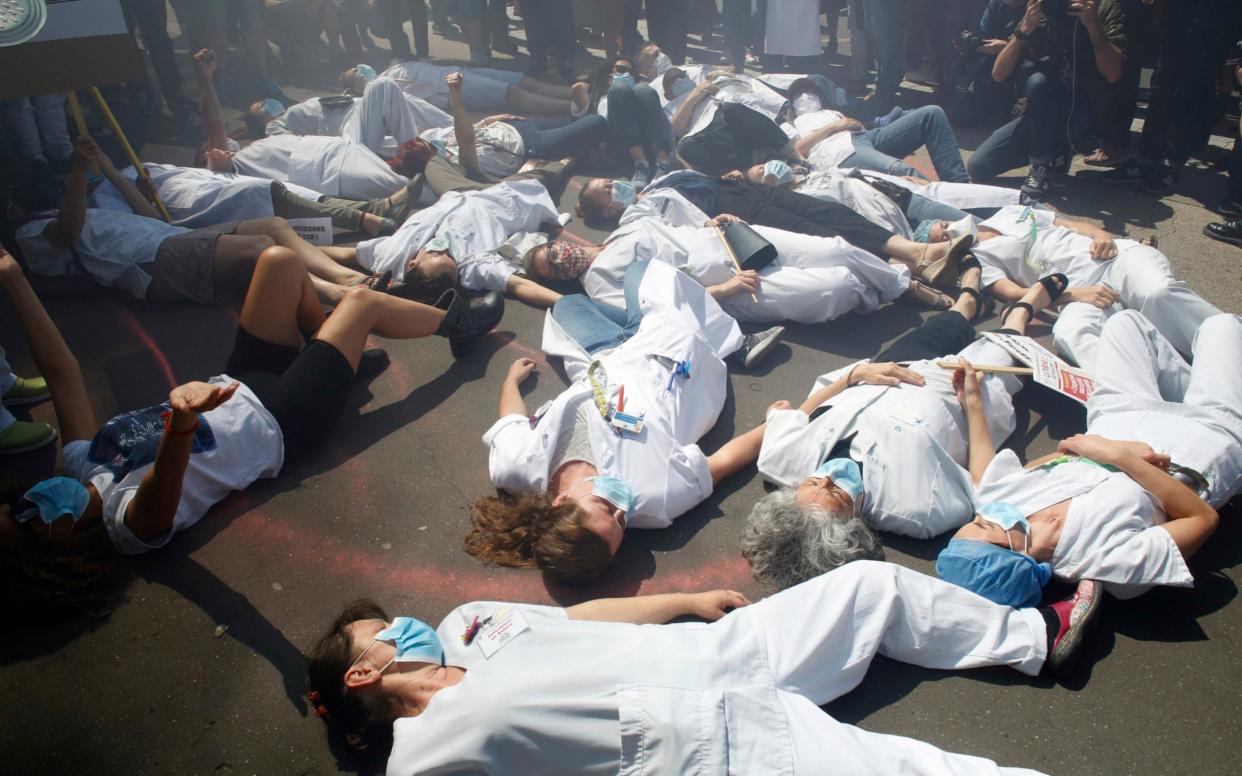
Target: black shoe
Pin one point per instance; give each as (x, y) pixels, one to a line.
(1059, 168)
(1069, 623)
(466, 320)
(372, 362)
(1036, 184)
(1230, 207)
(1228, 232)
(388, 227)
(1161, 180)
(1126, 172)
(756, 347)
(537, 69)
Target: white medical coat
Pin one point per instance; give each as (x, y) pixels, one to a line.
(475, 223)
(913, 441)
(663, 465)
(329, 165)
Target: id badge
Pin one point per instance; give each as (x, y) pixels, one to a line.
(624, 421)
(505, 626)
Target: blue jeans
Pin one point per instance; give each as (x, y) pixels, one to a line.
(635, 118)
(921, 209)
(597, 326)
(1039, 135)
(883, 149)
(548, 137)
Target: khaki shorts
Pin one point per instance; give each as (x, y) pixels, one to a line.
(184, 266)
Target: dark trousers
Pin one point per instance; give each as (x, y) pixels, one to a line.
(740, 29)
(1039, 135)
(668, 23)
(549, 29)
(731, 140)
(151, 17)
(794, 212)
(942, 334)
(443, 176)
(395, 16)
(345, 213)
(635, 118)
(1184, 83)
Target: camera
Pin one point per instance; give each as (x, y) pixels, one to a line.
(967, 42)
(1055, 9)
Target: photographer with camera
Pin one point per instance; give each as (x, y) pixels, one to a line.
(1071, 53)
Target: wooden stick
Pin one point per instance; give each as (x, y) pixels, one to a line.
(129, 150)
(729, 249)
(946, 363)
(75, 109)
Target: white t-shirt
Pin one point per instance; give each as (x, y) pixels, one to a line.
(235, 444)
(832, 150)
(112, 247)
(499, 147)
(1111, 530)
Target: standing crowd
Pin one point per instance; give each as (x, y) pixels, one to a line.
(747, 192)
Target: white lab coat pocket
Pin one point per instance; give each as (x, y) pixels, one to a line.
(672, 730)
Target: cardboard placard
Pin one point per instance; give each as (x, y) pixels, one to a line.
(1048, 369)
(316, 231)
(84, 43)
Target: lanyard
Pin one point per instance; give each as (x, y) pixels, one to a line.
(1029, 215)
(598, 377)
(1060, 459)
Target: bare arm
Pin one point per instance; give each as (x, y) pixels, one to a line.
(1011, 54)
(208, 101)
(71, 218)
(511, 401)
(134, 198)
(530, 292)
(656, 609)
(804, 144)
(967, 383)
(463, 127)
(155, 504)
(1108, 58)
(736, 454)
(51, 354)
(685, 112)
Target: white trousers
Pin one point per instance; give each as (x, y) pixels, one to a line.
(1200, 426)
(387, 111)
(1143, 278)
(366, 176)
(817, 279)
(821, 636)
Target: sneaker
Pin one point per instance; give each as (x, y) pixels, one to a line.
(756, 347)
(1069, 623)
(1231, 207)
(27, 390)
(1228, 232)
(22, 437)
(1126, 172)
(1161, 180)
(662, 168)
(642, 175)
(888, 118)
(1036, 184)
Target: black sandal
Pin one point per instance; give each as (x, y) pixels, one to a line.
(1009, 308)
(970, 262)
(1055, 284)
(983, 303)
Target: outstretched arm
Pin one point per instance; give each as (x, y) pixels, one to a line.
(530, 292)
(209, 101)
(463, 127)
(71, 218)
(656, 609)
(55, 361)
(155, 504)
(511, 401)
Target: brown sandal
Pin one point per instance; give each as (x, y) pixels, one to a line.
(925, 294)
(942, 273)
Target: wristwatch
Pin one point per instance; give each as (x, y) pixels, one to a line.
(1020, 35)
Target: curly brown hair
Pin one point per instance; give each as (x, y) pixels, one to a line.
(526, 531)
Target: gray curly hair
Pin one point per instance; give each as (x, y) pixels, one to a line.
(787, 543)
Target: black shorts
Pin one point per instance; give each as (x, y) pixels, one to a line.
(943, 334)
(305, 390)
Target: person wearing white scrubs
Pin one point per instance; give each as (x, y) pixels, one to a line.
(196, 197)
(382, 119)
(1019, 245)
(603, 687)
(458, 239)
(618, 448)
(1130, 501)
(331, 166)
(812, 280)
(882, 444)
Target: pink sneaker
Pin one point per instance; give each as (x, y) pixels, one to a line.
(1069, 623)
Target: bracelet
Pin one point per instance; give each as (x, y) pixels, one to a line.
(168, 429)
(850, 375)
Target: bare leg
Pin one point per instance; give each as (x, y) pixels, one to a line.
(281, 304)
(530, 103)
(364, 312)
(966, 306)
(316, 261)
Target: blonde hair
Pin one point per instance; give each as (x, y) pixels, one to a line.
(527, 531)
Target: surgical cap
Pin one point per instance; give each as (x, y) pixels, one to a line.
(923, 232)
(996, 573)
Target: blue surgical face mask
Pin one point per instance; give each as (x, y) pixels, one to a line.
(440, 146)
(1007, 516)
(844, 472)
(623, 79)
(782, 172)
(437, 245)
(415, 640)
(662, 63)
(623, 192)
(681, 86)
(54, 498)
(613, 490)
(273, 108)
(366, 71)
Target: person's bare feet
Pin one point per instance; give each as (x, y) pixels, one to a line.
(580, 97)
